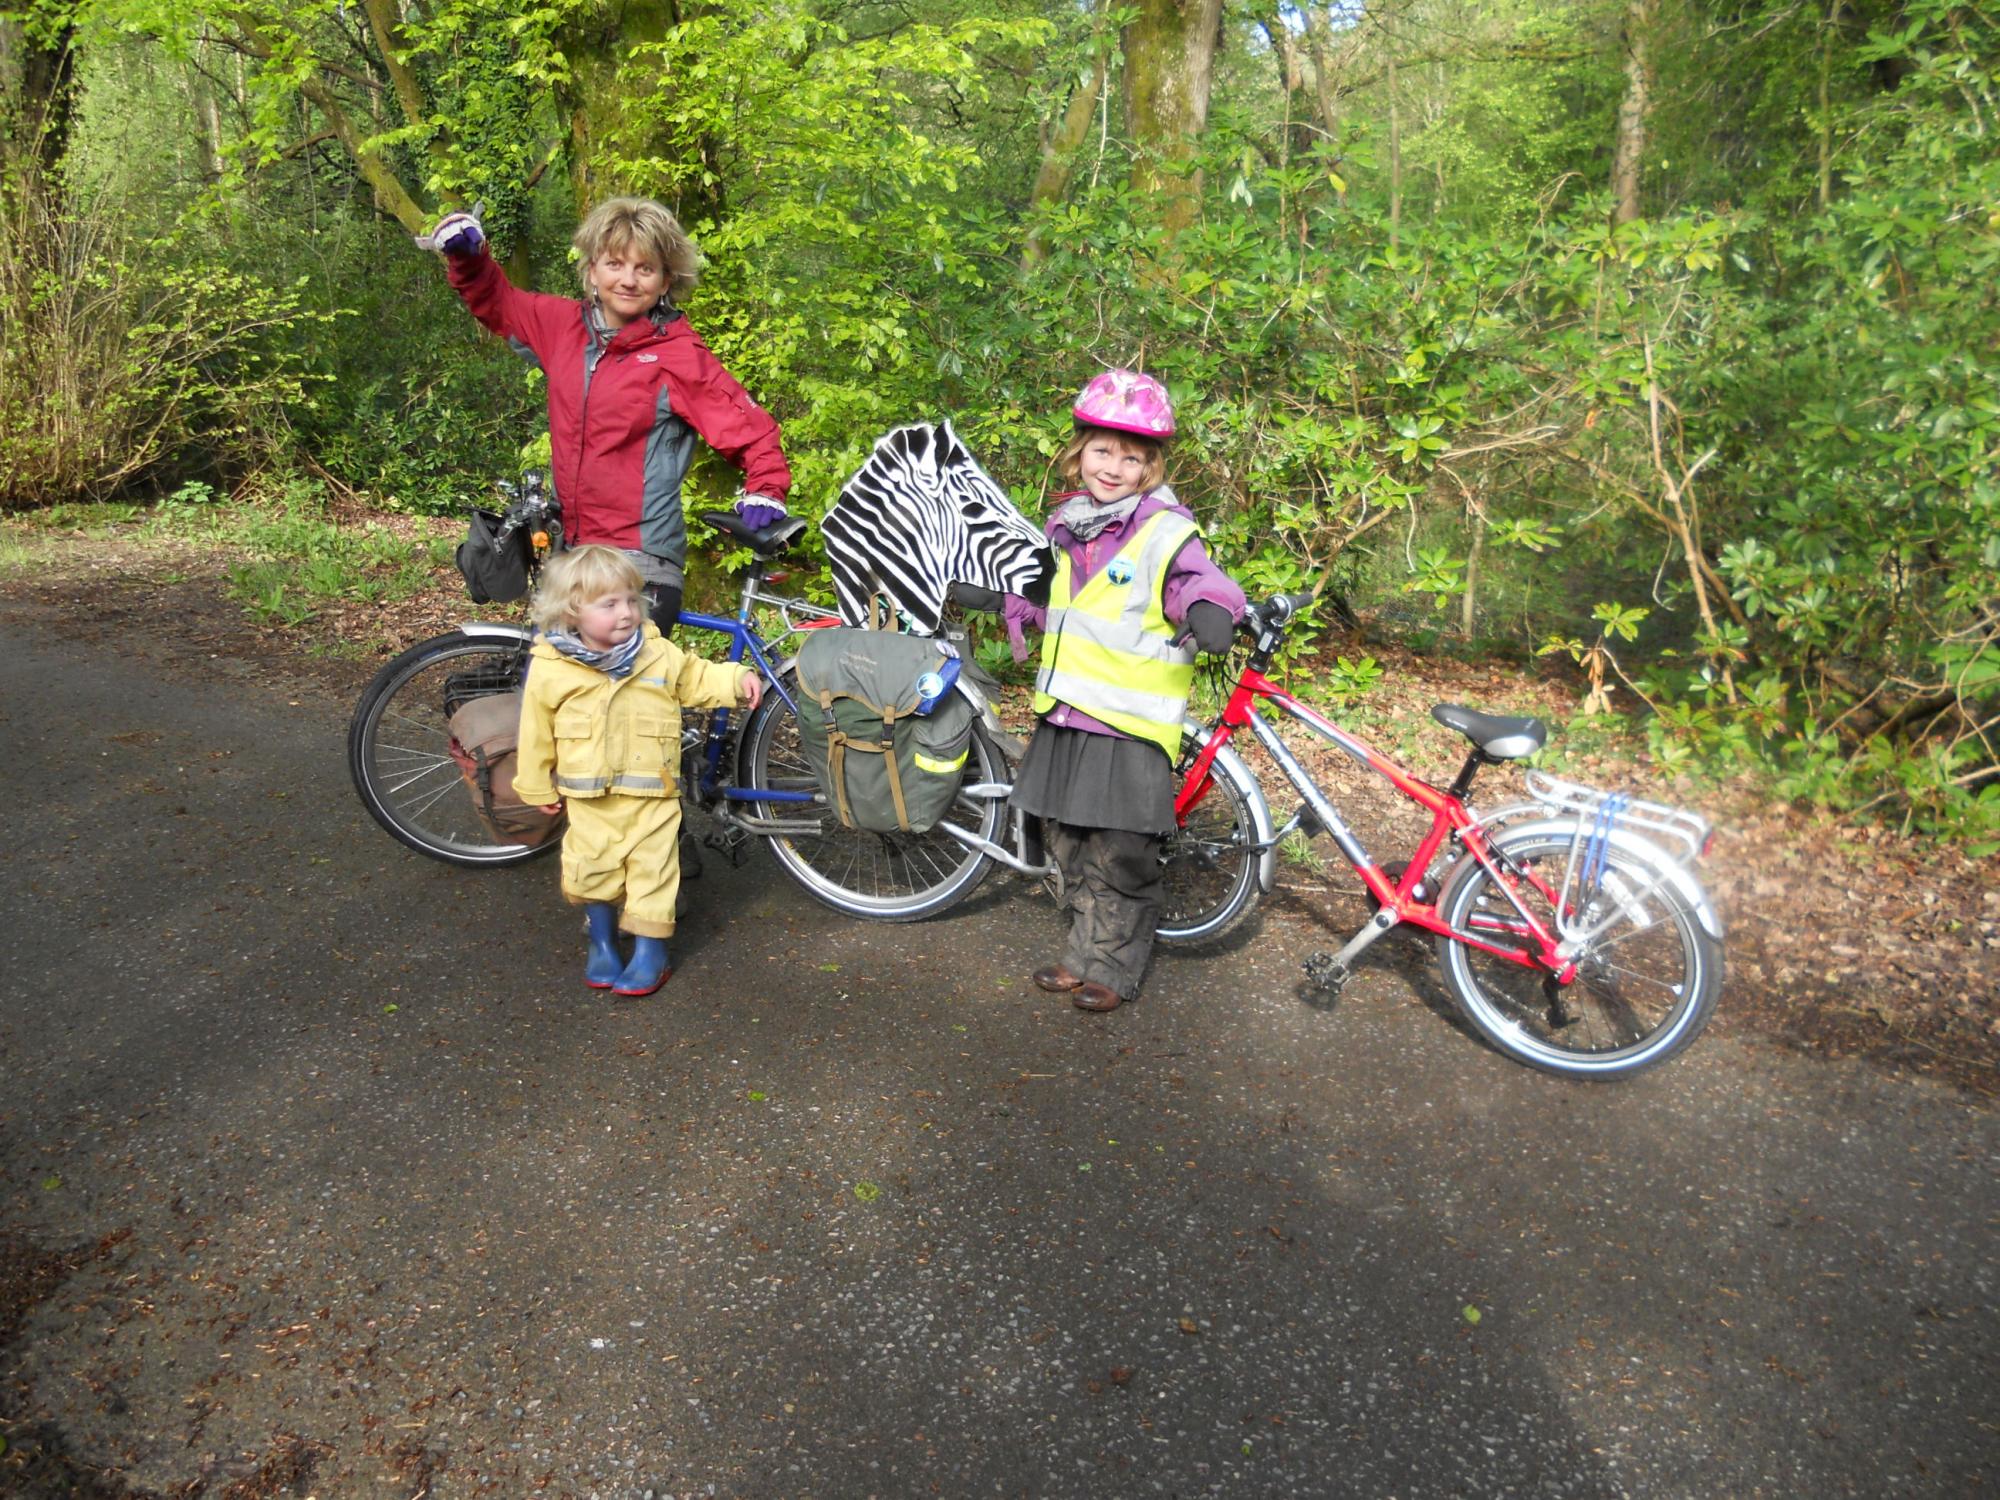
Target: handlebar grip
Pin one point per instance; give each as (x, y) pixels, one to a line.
(1280, 609)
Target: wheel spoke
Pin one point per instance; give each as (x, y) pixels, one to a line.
(1629, 1001)
(401, 742)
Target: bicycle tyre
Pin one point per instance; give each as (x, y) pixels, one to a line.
(396, 751)
(1208, 868)
(1643, 992)
(880, 877)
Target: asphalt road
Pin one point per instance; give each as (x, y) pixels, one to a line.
(350, 1188)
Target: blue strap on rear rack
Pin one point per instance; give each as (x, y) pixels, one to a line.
(1596, 850)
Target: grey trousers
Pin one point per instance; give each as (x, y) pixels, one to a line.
(1111, 887)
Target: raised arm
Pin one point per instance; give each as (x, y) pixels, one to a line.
(730, 422)
(529, 318)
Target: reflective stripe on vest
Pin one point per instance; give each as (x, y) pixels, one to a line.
(1109, 649)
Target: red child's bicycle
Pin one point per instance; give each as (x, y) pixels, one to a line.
(1572, 931)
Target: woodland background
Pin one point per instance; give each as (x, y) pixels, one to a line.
(1657, 337)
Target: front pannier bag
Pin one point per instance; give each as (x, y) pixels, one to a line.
(888, 755)
(485, 732)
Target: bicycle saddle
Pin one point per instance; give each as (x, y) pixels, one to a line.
(1497, 737)
(772, 541)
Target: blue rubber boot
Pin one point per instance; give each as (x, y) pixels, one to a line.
(648, 970)
(602, 969)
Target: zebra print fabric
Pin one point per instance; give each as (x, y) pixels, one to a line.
(920, 515)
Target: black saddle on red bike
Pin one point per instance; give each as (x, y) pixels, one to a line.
(1498, 737)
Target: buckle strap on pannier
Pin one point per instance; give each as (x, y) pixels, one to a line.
(838, 743)
(482, 778)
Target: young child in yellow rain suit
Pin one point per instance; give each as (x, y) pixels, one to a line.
(601, 731)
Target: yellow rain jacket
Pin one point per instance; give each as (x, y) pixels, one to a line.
(587, 734)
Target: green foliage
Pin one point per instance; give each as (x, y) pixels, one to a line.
(426, 421)
(301, 558)
(129, 352)
(1736, 459)
(1348, 679)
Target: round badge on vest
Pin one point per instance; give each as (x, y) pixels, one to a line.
(1120, 571)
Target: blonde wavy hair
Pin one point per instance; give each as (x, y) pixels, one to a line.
(638, 224)
(573, 578)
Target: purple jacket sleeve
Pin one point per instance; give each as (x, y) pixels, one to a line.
(1019, 614)
(1192, 576)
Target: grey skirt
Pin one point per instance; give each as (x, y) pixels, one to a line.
(1096, 780)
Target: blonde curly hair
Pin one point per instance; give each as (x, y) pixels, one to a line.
(638, 224)
(573, 578)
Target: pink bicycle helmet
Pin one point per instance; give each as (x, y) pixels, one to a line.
(1126, 401)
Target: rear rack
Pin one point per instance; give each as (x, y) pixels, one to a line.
(1689, 830)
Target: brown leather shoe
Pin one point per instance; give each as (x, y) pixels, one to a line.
(1056, 979)
(1090, 996)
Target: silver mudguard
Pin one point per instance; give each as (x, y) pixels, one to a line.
(1229, 767)
(497, 632)
(1640, 848)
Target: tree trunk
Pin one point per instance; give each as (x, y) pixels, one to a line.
(1826, 40)
(208, 113)
(1060, 145)
(1169, 52)
(597, 44)
(38, 97)
(1395, 156)
(1468, 603)
(1628, 159)
(1319, 46)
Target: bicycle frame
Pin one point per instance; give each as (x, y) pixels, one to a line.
(1451, 820)
(744, 641)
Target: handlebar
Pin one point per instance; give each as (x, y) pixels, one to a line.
(528, 504)
(1275, 613)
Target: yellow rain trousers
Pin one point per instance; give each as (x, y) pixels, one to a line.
(610, 748)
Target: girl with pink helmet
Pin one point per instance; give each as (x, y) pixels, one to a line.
(1134, 596)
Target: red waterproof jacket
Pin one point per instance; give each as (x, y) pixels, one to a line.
(624, 410)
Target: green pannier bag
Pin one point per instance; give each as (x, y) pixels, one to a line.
(884, 765)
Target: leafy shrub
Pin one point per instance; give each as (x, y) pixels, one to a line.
(127, 353)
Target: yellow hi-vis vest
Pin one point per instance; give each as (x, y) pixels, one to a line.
(1109, 649)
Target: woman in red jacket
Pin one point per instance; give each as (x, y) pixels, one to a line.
(630, 386)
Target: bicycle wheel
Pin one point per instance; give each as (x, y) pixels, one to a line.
(885, 877)
(1208, 873)
(1645, 984)
(396, 746)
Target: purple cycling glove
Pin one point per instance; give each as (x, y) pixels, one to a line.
(759, 511)
(455, 234)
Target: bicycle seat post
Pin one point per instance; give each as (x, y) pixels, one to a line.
(753, 584)
(1461, 786)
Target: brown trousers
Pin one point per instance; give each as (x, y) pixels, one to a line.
(1111, 888)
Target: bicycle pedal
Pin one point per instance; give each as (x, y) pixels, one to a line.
(1325, 971)
(733, 844)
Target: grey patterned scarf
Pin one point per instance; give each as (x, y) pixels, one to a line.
(1084, 518)
(617, 662)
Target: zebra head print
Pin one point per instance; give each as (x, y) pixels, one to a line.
(920, 515)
